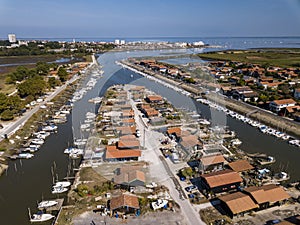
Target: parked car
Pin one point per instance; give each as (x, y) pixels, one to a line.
(138, 133)
(273, 221)
(191, 188)
(191, 195)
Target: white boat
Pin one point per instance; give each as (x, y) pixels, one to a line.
(236, 142)
(74, 155)
(42, 134)
(65, 112)
(58, 189)
(88, 121)
(204, 122)
(47, 204)
(37, 141)
(50, 128)
(79, 142)
(160, 203)
(85, 126)
(34, 147)
(90, 115)
(63, 184)
(73, 151)
(40, 217)
(25, 156)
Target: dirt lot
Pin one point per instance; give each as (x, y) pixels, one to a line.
(159, 218)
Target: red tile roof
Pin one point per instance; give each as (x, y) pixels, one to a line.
(128, 143)
(220, 178)
(128, 113)
(152, 98)
(130, 176)
(189, 141)
(240, 165)
(128, 137)
(127, 130)
(124, 200)
(113, 153)
(120, 154)
(176, 130)
(267, 193)
(284, 101)
(211, 160)
(130, 121)
(151, 112)
(238, 202)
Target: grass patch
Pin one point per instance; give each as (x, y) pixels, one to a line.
(273, 57)
(210, 215)
(89, 174)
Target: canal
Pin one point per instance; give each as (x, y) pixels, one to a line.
(28, 181)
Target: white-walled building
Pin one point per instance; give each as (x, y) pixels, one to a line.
(297, 93)
(278, 105)
(12, 38)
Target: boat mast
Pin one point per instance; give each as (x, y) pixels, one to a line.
(29, 213)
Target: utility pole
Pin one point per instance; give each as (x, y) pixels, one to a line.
(144, 138)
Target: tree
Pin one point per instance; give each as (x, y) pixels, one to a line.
(62, 74)
(34, 86)
(189, 80)
(7, 115)
(9, 105)
(52, 82)
(20, 74)
(263, 98)
(42, 68)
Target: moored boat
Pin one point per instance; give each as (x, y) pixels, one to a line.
(58, 189)
(47, 204)
(63, 184)
(25, 156)
(40, 217)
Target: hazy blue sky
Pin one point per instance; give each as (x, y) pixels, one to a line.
(149, 18)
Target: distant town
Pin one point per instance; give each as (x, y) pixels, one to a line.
(137, 158)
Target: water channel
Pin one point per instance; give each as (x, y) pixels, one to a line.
(29, 181)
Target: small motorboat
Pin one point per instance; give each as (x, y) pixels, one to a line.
(40, 217)
(47, 204)
(58, 189)
(64, 184)
(25, 156)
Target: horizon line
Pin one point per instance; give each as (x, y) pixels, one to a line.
(154, 37)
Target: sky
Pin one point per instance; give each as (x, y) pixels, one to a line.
(149, 18)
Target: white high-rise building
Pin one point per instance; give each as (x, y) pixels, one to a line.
(122, 42)
(12, 38)
(117, 41)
